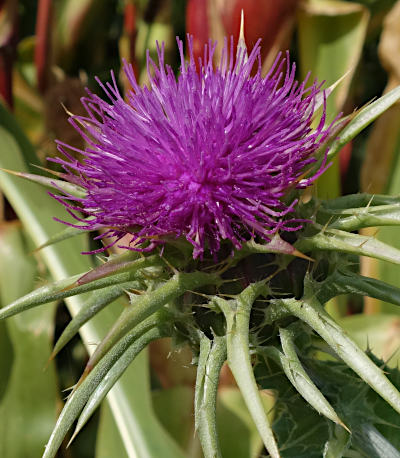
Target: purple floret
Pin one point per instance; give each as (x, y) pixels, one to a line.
(207, 155)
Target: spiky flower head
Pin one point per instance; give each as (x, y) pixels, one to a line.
(209, 155)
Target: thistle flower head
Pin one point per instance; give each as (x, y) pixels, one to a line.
(208, 155)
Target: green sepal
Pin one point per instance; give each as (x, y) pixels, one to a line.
(148, 303)
(347, 282)
(299, 378)
(130, 261)
(67, 233)
(309, 310)
(358, 200)
(344, 242)
(115, 372)
(116, 271)
(79, 397)
(353, 219)
(58, 185)
(237, 315)
(362, 119)
(62, 289)
(212, 357)
(275, 246)
(93, 305)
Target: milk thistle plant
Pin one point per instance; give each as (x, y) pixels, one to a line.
(199, 179)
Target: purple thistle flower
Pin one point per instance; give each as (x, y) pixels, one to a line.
(208, 155)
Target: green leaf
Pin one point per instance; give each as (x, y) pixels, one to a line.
(368, 439)
(375, 425)
(174, 408)
(387, 421)
(390, 235)
(382, 145)
(237, 433)
(8, 123)
(108, 442)
(28, 407)
(331, 38)
(6, 358)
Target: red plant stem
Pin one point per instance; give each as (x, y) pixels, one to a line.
(42, 48)
(130, 28)
(7, 52)
(197, 25)
(6, 65)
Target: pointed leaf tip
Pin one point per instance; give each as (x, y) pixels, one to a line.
(241, 52)
(241, 33)
(299, 254)
(59, 185)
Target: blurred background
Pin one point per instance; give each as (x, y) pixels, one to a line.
(49, 52)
